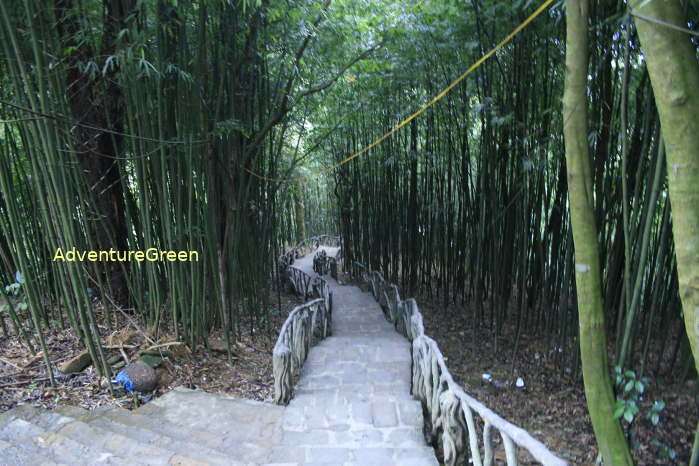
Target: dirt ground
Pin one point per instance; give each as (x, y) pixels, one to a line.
(551, 406)
(23, 376)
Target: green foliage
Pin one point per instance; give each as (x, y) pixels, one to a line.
(190, 97)
(15, 295)
(654, 413)
(222, 128)
(630, 391)
(469, 202)
(152, 360)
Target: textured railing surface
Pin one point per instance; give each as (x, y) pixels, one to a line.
(305, 247)
(320, 262)
(306, 325)
(449, 410)
(324, 264)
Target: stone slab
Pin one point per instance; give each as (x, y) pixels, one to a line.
(352, 403)
(352, 406)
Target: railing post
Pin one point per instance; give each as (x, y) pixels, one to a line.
(304, 326)
(448, 409)
(510, 449)
(281, 368)
(487, 443)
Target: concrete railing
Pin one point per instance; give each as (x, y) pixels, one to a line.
(305, 247)
(324, 264)
(306, 324)
(449, 410)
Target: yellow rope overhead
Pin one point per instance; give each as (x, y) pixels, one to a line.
(424, 107)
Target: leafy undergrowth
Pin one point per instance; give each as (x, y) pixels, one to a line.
(23, 378)
(551, 406)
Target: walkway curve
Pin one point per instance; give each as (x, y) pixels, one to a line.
(352, 404)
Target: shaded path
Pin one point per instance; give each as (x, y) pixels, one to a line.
(352, 404)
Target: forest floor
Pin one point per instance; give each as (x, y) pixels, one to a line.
(23, 376)
(551, 406)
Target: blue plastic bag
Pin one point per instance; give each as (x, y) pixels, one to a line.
(123, 379)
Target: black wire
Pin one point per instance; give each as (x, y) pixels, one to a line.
(98, 128)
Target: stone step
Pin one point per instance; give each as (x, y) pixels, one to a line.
(12, 454)
(364, 456)
(66, 425)
(18, 446)
(343, 411)
(120, 421)
(242, 429)
(57, 447)
(399, 437)
(220, 414)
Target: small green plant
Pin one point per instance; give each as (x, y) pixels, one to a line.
(15, 293)
(629, 392)
(654, 413)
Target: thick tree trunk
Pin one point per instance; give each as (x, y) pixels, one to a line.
(674, 74)
(99, 102)
(593, 338)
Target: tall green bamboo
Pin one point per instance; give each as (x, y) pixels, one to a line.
(593, 337)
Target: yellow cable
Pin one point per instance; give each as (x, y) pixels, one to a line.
(407, 120)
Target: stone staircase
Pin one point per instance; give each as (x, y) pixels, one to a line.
(351, 406)
(183, 427)
(188, 427)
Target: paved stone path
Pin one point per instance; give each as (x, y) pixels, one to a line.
(352, 406)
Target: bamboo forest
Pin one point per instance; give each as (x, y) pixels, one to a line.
(349, 232)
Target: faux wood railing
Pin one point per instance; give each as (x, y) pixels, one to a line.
(450, 418)
(305, 247)
(324, 264)
(320, 262)
(306, 324)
